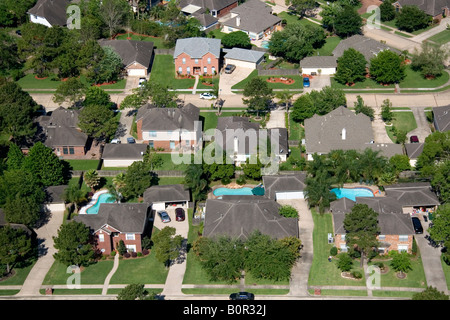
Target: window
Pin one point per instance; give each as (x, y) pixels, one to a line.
(209, 60)
(343, 248)
(213, 70)
(180, 70)
(343, 237)
(183, 60)
(151, 144)
(230, 29)
(131, 247)
(172, 144)
(71, 150)
(101, 237)
(129, 236)
(65, 150)
(196, 61)
(402, 248)
(403, 238)
(188, 142)
(205, 70)
(188, 70)
(381, 237)
(152, 133)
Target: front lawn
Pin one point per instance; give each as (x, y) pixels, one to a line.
(297, 85)
(210, 119)
(29, 81)
(20, 274)
(414, 79)
(367, 83)
(163, 71)
(441, 38)
(93, 274)
(403, 121)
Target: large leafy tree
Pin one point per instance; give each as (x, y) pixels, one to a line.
(362, 229)
(167, 245)
(440, 231)
(301, 7)
(387, 10)
(401, 262)
(411, 18)
(430, 293)
(135, 291)
(114, 14)
(98, 121)
(347, 22)
(430, 60)
(196, 180)
(137, 179)
(361, 107)
(14, 12)
(15, 246)
(73, 244)
(351, 67)
(9, 58)
(258, 95)
(387, 67)
(317, 190)
(96, 96)
(237, 39)
(372, 164)
(71, 91)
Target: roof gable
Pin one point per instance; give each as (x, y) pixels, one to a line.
(54, 11)
(197, 47)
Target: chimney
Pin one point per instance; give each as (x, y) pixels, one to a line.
(238, 21)
(344, 134)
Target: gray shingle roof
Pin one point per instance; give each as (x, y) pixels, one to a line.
(319, 62)
(210, 4)
(412, 194)
(126, 151)
(430, 7)
(238, 123)
(205, 19)
(197, 47)
(165, 119)
(240, 218)
(54, 11)
(167, 193)
(283, 183)
(245, 55)
(131, 50)
(442, 118)
(125, 217)
(386, 149)
(55, 194)
(413, 150)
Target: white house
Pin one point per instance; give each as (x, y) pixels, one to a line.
(49, 12)
(317, 65)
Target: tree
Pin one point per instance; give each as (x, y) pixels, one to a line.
(98, 121)
(45, 165)
(119, 181)
(360, 107)
(399, 163)
(329, 13)
(351, 67)
(153, 159)
(252, 169)
(72, 242)
(440, 231)
(344, 262)
(238, 39)
(386, 111)
(372, 164)
(138, 178)
(258, 95)
(347, 22)
(362, 228)
(387, 11)
(96, 96)
(301, 7)
(15, 157)
(285, 97)
(430, 60)
(167, 245)
(401, 262)
(108, 68)
(71, 90)
(135, 292)
(195, 180)
(92, 179)
(15, 246)
(317, 190)
(114, 14)
(411, 18)
(387, 67)
(160, 94)
(303, 108)
(74, 195)
(9, 57)
(430, 293)
(288, 211)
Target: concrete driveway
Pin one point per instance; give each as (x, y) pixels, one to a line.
(182, 227)
(277, 119)
(318, 82)
(228, 80)
(423, 129)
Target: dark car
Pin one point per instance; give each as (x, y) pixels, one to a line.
(131, 140)
(417, 225)
(242, 296)
(179, 214)
(229, 68)
(164, 216)
(18, 32)
(414, 139)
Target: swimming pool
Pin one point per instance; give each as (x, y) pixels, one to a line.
(265, 44)
(352, 193)
(227, 191)
(102, 198)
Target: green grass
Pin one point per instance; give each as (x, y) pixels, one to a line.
(93, 274)
(441, 38)
(403, 121)
(145, 269)
(217, 33)
(19, 276)
(168, 164)
(402, 34)
(290, 18)
(348, 293)
(446, 269)
(30, 82)
(328, 47)
(163, 71)
(296, 131)
(294, 156)
(83, 164)
(413, 79)
(210, 119)
(392, 24)
(73, 291)
(415, 278)
(170, 180)
(391, 294)
(158, 43)
(298, 84)
(226, 291)
(368, 83)
(9, 292)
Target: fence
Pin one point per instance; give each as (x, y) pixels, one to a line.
(278, 72)
(113, 173)
(164, 51)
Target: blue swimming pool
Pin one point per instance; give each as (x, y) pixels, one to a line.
(352, 193)
(103, 198)
(227, 192)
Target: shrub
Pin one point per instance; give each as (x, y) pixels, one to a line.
(113, 253)
(357, 275)
(145, 252)
(379, 265)
(126, 255)
(225, 180)
(344, 262)
(288, 211)
(139, 254)
(241, 180)
(134, 254)
(333, 251)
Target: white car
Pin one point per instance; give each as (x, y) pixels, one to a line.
(142, 82)
(207, 96)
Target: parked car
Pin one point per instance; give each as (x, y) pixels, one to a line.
(164, 216)
(417, 225)
(229, 68)
(179, 214)
(115, 141)
(306, 82)
(18, 32)
(131, 140)
(414, 139)
(242, 296)
(142, 82)
(207, 96)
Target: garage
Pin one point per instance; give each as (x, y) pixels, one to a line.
(319, 65)
(163, 196)
(122, 155)
(136, 70)
(285, 186)
(243, 58)
(289, 195)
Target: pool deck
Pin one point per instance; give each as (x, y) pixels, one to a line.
(93, 201)
(375, 190)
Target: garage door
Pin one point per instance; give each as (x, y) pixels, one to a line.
(242, 64)
(159, 206)
(289, 195)
(136, 72)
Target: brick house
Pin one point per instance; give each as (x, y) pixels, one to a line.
(170, 128)
(437, 9)
(118, 221)
(197, 56)
(396, 229)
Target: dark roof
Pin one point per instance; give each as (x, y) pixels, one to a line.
(282, 136)
(167, 193)
(442, 118)
(430, 7)
(124, 217)
(54, 11)
(319, 62)
(23, 227)
(131, 51)
(55, 194)
(209, 4)
(205, 19)
(413, 150)
(124, 151)
(254, 16)
(283, 183)
(240, 125)
(367, 46)
(197, 47)
(165, 119)
(240, 218)
(412, 194)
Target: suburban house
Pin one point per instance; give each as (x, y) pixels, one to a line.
(54, 198)
(243, 57)
(414, 197)
(437, 9)
(342, 129)
(118, 221)
(136, 55)
(162, 196)
(367, 46)
(123, 155)
(61, 133)
(240, 218)
(197, 56)
(396, 228)
(285, 186)
(413, 151)
(49, 12)
(253, 17)
(317, 65)
(170, 128)
(441, 118)
(216, 8)
(207, 21)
